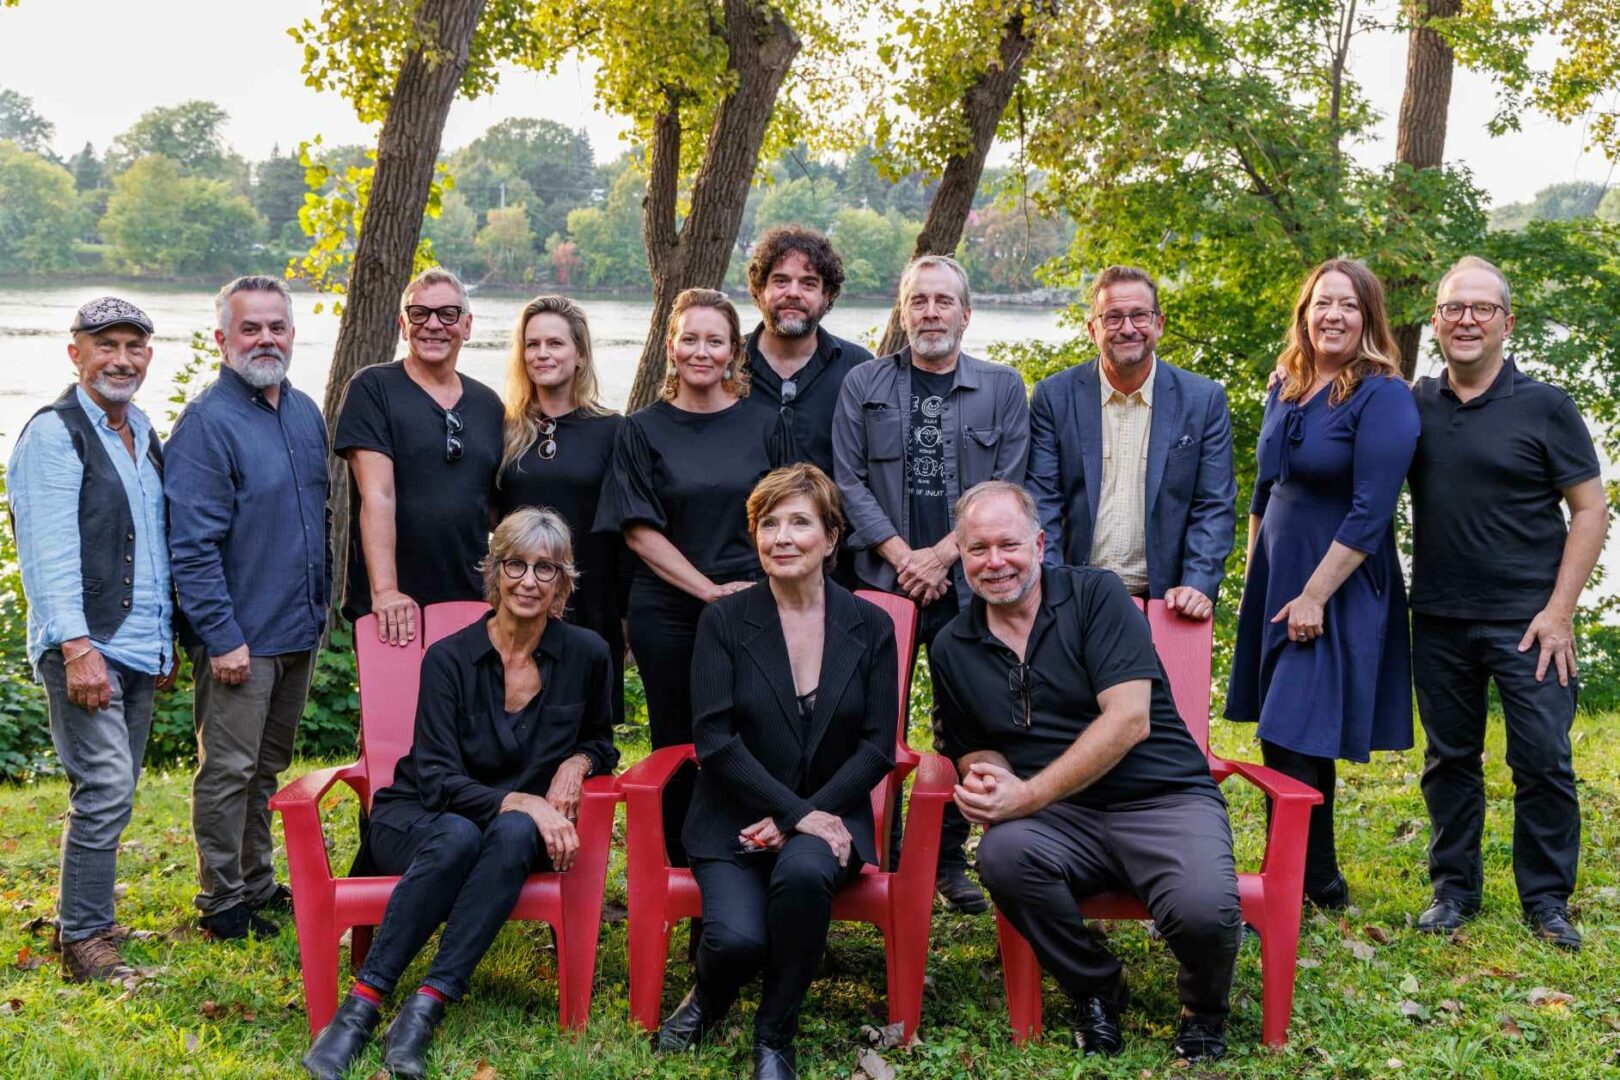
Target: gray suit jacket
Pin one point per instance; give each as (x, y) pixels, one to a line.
(1190, 486)
(986, 437)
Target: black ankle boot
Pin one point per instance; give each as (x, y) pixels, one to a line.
(690, 1023)
(775, 1062)
(341, 1041)
(410, 1034)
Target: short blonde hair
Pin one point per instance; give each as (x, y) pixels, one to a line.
(738, 381)
(522, 532)
(805, 479)
(908, 276)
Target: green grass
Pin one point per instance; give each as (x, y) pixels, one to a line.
(229, 1010)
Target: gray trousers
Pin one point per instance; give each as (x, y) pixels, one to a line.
(101, 754)
(244, 740)
(1173, 851)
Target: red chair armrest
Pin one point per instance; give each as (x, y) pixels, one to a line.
(596, 802)
(936, 779)
(652, 772)
(642, 786)
(308, 789)
(1285, 789)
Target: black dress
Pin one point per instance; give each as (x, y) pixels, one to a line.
(571, 484)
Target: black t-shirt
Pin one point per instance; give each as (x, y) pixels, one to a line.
(1087, 637)
(925, 458)
(815, 397)
(441, 507)
(688, 475)
(1487, 495)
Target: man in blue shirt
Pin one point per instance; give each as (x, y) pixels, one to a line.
(247, 486)
(86, 493)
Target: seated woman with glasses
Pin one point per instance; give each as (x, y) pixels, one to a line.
(795, 698)
(513, 714)
(559, 446)
(682, 471)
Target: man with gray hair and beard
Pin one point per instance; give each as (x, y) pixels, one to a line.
(250, 552)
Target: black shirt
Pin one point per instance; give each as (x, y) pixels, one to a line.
(925, 458)
(1088, 636)
(815, 399)
(469, 754)
(441, 507)
(1487, 495)
(688, 475)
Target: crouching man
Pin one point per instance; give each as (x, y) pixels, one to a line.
(1058, 713)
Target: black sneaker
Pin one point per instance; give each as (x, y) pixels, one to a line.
(279, 902)
(1199, 1040)
(237, 922)
(959, 892)
(1551, 923)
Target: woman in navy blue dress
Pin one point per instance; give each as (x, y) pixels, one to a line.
(1323, 657)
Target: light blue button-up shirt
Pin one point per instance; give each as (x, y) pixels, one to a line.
(42, 482)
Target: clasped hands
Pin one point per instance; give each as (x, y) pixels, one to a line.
(924, 574)
(991, 793)
(553, 816)
(765, 834)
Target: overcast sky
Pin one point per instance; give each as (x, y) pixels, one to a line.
(93, 66)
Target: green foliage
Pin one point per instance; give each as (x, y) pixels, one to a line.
(541, 164)
(278, 189)
(453, 235)
(874, 247)
(1005, 245)
(507, 243)
(21, 124)
(804, 201)
(25, 741)
(191, 134)
(88, 175)
(608, 238)
(1559, 202)
(39, 212)
(161, 221)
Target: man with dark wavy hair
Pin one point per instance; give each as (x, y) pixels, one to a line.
(798, 367)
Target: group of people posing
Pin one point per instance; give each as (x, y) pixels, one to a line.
(717, 535)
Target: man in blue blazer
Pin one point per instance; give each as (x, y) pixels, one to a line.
(1130, 459)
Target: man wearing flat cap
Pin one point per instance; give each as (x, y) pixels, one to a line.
(86, 500)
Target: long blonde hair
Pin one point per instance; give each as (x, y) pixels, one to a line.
(523, 415)
(738, 381)
(1376, 353)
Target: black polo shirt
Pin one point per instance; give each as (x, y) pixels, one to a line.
(818, 382)
(1088, 636)
(1487, 495)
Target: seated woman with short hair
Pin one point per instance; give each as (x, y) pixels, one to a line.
(794, 703)
(512, 716)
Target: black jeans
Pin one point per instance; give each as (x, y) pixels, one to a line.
(768, 913)
(954, 829)
(453, 873)
(1172, 851)
(1321, 854)
(663, 627)
(1453, 660)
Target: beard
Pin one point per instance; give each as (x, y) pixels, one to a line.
(936, 347)
(792, 325)
(103, 385)
(261, 368)
(1026, 584)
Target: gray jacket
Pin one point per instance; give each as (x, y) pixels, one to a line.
(986, 437)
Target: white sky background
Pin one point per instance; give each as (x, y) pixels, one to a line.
(93, 66)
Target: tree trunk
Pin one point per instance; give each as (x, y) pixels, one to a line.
(983, 105)
(1420, 138)
(385, 252)
(761, 47)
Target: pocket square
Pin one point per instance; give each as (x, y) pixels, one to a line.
(1184, 441)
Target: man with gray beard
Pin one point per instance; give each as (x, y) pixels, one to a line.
(249, 545)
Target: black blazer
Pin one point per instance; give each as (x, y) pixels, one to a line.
(756, 758)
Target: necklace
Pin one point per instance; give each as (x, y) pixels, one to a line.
(119, 426)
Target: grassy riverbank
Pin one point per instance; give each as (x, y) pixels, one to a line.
(1398, 1003)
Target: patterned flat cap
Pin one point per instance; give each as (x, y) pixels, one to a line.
(106, 311)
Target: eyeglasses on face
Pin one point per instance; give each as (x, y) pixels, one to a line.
(1114, 320)
(514, 569)
(418, 314)
(452, 429)
(1483, 312)
(1021, 682)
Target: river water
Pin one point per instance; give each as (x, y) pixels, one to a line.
(34, 365)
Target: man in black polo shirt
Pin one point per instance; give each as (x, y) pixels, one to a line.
(1496, 575)
(1054, 704)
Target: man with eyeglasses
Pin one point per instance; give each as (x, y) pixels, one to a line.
(249, 549)
(1496, 575)
(1130, 458)
(913, 431)
(1055, 707)
(423, 444)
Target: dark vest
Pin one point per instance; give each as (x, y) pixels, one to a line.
(106, 521)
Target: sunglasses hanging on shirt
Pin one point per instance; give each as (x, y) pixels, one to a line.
(452, 433)
(546, 447)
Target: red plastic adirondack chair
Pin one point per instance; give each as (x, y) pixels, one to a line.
(899, 903)
(1271, 898)
(325, 905)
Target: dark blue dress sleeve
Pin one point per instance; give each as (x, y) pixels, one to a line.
(1386, 437)
(1266, 474)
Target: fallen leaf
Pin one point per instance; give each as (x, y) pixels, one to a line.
(210, 1009)
(26, 960)
(1458, 936)
(1360, 949)
(191, 1042)
(1377, 933)
(873, 1065)
(1411, 1009)
(886, 1037)
(1409, 984)
(1452, 1007)
(485, 1071)
(1307, 962)
(1543, 997)
(11, 1006)
(1395, 1063)
(1510, 1026)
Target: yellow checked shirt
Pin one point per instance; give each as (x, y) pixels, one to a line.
(1119, 541)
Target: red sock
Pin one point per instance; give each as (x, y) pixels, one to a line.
(434, 994)
(367, 993)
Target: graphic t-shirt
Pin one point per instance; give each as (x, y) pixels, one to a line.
(925, 458)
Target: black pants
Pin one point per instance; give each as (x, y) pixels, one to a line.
(1172, 851)
(1452, 662)
(663, 627)
(768, 913)
(954, 829)
(1320, 773)
(453, 873)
